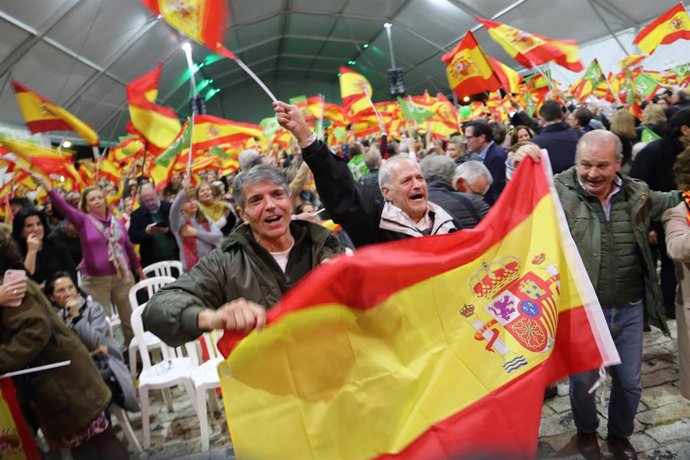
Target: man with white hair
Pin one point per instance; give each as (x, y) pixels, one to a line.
(407, 211)
(609, 214)
(472, 177)
(149, 227)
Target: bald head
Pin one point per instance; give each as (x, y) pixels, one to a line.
(599, 139)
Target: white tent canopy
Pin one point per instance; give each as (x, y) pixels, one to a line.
(82, 53)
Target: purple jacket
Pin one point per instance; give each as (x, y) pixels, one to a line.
(94, 246)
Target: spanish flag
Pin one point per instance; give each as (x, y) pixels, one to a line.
(433, 347)
(355, 91)
(157, 124)
(592, 79)
(468, 70)
(42, 115)
(509, 78)
(671, 26)
(531, 49)
(16, 440)
(201, 20)
(210, 131)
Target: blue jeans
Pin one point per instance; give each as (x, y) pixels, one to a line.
(625, 323)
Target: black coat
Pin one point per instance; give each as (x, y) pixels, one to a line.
(467, 209)
(654, 164)
(495, 161)
(560, 140)
(139, 220)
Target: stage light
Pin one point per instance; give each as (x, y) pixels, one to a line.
(66, 144)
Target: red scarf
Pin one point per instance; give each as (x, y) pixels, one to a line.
(191, 255)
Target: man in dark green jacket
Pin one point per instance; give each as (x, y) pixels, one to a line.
(608, 215)
(263, 258)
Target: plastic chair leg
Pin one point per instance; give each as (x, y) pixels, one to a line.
(145, 422)
(203, 419)
(168, 399)
(126, 427)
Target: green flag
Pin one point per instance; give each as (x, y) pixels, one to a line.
(645, 86)
(681, 71)
(648, 135)
(594, 74)
(182, 142)
(270, 126)
(412, 111)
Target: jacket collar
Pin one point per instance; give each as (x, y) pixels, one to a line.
(396, 220)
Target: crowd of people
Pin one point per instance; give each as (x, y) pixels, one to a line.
(245, 239)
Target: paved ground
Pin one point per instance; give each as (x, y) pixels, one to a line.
(662, 427)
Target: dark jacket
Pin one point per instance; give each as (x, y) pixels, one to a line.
(148, 250)
(345, 200)
(495, 161)
(64, 400)
(53, 257)
(654, 163)
(240, 268)
(467, 209)
(645, 206)
(370, 183)
(560, 140)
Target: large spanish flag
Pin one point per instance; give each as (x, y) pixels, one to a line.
(156, 123)
(355, 91)
(531, 49)
(468, 70)
(41, 115)
(16, 440)
(437, 347)
(671, 26)
(201, 20)
(210, 131)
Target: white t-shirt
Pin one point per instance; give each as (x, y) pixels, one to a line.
(282, 257)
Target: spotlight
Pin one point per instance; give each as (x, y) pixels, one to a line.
(365, 46)
(387, 25)
(66, 144)
(187, 47)
(466, 99)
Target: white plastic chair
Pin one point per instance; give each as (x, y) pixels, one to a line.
(150, 285)
(164, 268)
(205, 377)
(164, 375)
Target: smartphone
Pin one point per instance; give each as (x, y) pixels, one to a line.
(10, 276)
(159, 224)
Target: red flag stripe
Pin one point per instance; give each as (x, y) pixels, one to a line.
(412, 267)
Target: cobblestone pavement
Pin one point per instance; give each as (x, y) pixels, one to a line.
(662, 426)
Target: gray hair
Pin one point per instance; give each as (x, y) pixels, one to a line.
(595, 139)
(384, 172)
(437, 167)
(472, 170)
(372, 158)
(246, 158)
(260, 173)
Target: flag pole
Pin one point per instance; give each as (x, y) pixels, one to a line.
(382, 124)
(258, 81)
(97, 159)
(323, 112)
(192, 80)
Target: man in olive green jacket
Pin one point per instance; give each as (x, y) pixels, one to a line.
(608, 214)
(263, 258)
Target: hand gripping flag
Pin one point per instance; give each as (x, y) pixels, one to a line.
(671, 26)
(531, 49)
(468, 70)
(42, 115)
(434, 347)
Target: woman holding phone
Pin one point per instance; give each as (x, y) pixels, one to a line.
(68, 403)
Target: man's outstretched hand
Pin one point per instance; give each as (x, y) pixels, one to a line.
(290, 118)
(240, 315)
